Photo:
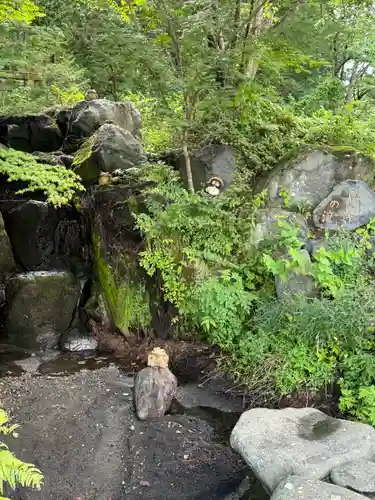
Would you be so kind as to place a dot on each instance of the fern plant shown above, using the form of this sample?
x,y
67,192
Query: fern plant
x,y
12,470
57,183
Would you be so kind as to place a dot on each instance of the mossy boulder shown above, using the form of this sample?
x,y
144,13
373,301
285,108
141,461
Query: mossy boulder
x,y
110,148
40,308
121,289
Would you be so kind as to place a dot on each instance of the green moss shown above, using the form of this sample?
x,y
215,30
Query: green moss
x,y
84,152
126,298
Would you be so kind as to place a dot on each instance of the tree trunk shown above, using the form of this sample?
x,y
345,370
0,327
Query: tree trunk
x,y
186,154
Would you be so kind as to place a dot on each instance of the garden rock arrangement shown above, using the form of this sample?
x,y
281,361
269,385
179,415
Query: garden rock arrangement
x,y
293,450
311,177
317,191
99,136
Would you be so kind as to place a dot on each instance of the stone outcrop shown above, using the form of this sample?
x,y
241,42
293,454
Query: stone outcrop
x,y
120,295
30,133
86,117
349,206
304,442
41,307
40,233
310,178
209,163
110,148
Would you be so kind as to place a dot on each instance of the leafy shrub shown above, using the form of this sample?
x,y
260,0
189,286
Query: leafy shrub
x,y
57,183
200,246
12,470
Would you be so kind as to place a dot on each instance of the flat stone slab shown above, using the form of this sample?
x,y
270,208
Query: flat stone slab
x,y
357,475
277,444
299,488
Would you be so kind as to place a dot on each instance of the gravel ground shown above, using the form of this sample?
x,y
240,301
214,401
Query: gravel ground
x,y
81,431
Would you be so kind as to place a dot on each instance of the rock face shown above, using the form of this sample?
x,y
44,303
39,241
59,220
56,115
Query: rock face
x,y
277,444
40,308
36,231
120,285
356,475
299,488
31,227
78,339
214,161
268,224
87,116
7,264
110,148
30,133
312,176
349,206
298,283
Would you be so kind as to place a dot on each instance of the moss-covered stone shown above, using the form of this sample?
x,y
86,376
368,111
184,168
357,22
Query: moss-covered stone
x,y
110,148
40,307
123,288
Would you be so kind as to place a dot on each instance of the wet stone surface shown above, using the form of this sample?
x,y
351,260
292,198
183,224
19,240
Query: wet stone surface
x,y
79,426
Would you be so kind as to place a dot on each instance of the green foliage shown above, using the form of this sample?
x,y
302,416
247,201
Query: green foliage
x,y
126,298
36,69
13,471
200,247
19,10
308,342
58,184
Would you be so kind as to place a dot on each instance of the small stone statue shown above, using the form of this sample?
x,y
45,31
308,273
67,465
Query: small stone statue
x,y
214,186
105,178
91,95
154,386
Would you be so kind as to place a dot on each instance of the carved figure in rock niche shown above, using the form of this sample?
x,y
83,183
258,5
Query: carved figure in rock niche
x,y
214,186
154,386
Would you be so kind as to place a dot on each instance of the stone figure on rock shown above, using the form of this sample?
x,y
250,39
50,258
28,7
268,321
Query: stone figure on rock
x,y
154,386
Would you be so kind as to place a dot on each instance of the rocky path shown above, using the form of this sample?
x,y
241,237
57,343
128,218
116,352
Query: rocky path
x,y
82,432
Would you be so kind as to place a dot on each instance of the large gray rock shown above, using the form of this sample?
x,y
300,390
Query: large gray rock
x,y
357,475
312,176
7,264
277,444
298,283
87,116
349,206
268,225
40,308
214,161
110,148
299,488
